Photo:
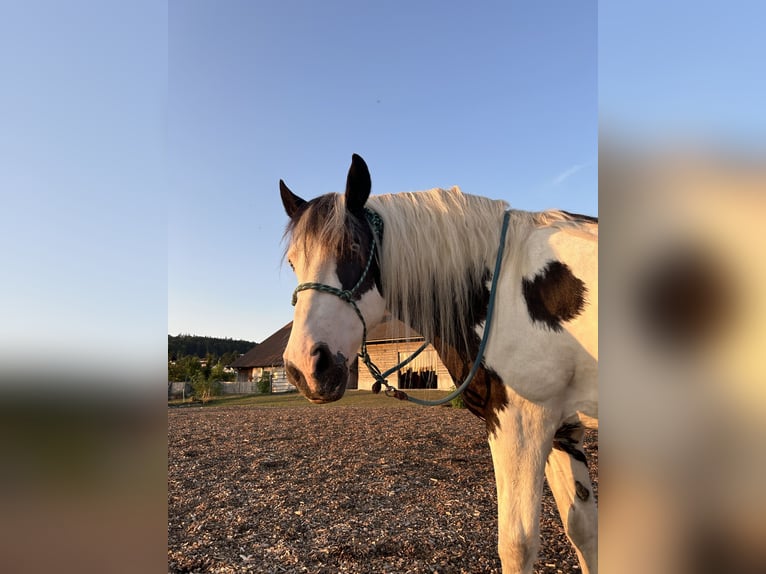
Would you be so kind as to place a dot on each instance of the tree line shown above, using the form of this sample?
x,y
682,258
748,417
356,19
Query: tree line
x,y
204,347
202,361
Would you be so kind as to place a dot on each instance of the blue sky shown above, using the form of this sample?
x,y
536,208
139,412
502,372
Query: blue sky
x,y
499,98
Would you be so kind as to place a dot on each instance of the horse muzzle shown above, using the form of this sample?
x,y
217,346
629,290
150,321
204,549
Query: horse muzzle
x,y
327,375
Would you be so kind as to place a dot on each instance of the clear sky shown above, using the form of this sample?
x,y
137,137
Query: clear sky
x,y
499,98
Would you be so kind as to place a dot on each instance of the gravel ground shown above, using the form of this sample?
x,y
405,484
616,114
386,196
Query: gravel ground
x,y
341,489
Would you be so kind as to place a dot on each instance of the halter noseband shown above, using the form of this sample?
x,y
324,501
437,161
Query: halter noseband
x,y
347,295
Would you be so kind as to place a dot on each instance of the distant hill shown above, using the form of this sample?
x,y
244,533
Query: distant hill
x,y
195,345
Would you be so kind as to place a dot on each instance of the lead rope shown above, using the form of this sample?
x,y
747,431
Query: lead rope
x,y
380,378
485,337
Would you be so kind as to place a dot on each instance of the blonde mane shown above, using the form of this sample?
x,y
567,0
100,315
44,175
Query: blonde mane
x,y
438,249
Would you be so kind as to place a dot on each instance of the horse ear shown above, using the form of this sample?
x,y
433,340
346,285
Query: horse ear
x,y
291,201
358,184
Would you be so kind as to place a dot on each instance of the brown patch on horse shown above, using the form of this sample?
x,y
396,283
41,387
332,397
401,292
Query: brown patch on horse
x,y
485,396
582,491
554,295
567,439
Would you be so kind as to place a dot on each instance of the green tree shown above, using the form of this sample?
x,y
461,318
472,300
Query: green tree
x,y
218,372
184,369
175,373
205,388
264,383
181,345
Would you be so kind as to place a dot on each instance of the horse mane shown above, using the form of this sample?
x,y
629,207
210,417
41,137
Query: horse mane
x,y
439,247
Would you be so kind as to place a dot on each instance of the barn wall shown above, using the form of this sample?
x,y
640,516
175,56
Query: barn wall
x,y
245,374
279,383
386,355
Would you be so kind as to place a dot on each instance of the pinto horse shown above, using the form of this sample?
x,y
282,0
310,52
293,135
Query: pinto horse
x,y
429,258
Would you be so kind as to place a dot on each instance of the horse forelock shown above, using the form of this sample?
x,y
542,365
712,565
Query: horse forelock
x,y
323,228
438,250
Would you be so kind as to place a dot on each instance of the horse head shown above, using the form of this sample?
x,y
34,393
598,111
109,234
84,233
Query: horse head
x,y
332,250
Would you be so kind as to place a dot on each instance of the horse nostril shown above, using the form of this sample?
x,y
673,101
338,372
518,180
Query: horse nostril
x,y
294,374
323,361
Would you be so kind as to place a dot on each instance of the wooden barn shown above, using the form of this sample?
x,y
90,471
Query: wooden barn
x,y
264,358
391,342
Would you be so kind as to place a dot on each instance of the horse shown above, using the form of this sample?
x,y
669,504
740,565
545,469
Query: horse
x,y
428,258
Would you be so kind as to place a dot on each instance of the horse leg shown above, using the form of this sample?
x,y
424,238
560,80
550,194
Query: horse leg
x,y
520,443
568,478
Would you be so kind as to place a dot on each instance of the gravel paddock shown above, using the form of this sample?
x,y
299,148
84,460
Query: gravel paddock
x,y
339,489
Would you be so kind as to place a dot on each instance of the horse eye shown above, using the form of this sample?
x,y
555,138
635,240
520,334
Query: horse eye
x,y
355,248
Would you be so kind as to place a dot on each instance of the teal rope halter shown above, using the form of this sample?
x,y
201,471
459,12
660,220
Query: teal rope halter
x,y
376,223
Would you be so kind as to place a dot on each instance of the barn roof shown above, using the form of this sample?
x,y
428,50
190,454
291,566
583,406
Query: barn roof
x,y
392,329
268,353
